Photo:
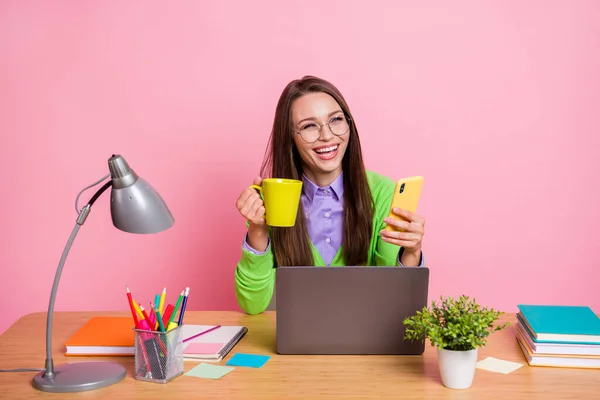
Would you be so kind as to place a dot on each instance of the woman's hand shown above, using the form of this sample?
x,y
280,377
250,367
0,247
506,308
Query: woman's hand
x,y
251,207
412,236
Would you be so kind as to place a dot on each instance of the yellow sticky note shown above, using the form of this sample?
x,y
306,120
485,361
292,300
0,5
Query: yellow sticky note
x,y
497,365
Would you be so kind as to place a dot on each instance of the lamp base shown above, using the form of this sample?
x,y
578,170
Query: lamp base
x,y
80,376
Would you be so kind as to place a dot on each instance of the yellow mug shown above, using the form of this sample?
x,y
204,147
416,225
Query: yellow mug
x,y
281,198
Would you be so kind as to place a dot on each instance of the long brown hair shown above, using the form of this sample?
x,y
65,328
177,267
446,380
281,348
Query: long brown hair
x,y
291,246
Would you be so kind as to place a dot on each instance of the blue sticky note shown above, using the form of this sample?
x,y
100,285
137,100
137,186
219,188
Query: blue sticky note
x,y
248,360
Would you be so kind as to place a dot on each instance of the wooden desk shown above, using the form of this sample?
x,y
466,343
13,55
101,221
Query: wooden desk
x,y
292,377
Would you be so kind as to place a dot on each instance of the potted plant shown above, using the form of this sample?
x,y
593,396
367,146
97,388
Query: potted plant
x,y
457,327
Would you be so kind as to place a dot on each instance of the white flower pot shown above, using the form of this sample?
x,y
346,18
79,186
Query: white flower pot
x,y
457,367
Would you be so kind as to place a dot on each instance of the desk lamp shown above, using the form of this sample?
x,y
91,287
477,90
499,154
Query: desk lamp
x,y
136,208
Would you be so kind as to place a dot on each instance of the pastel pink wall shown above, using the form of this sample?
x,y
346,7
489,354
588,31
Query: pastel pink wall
x,y
495,104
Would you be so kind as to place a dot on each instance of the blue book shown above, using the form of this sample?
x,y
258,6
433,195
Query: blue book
x,y
555,323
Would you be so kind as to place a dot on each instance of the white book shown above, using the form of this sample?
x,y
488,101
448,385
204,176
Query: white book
x,y
557,360
212,346
557,348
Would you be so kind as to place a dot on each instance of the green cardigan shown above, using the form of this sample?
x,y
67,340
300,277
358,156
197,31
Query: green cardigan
x,y
255,274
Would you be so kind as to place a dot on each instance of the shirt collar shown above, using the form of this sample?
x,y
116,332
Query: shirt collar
x,y
337,187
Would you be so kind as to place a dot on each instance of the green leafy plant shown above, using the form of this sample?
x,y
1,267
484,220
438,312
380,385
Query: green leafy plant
x,y
453,324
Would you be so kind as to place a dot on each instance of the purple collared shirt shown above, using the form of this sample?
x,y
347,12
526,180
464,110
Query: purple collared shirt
x,y
323,208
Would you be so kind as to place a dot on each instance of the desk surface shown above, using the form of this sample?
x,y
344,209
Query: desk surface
x,y
292,377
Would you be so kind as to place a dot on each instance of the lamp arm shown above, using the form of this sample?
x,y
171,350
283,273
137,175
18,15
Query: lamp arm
x,y
80,220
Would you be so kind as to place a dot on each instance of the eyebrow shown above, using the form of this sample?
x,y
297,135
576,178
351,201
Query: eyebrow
x,y
331,114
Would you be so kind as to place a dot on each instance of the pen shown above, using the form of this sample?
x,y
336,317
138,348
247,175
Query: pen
x,y
161,303
133,312
183,304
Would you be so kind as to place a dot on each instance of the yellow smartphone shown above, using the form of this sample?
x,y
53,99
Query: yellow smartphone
x,y
406,196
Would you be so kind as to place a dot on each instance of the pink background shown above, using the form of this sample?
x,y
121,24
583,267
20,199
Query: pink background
x,y
496,104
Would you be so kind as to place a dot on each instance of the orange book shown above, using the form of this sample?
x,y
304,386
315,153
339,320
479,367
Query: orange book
x,y
107,336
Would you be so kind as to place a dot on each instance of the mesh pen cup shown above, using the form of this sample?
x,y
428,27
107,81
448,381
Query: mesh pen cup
x,y
158,355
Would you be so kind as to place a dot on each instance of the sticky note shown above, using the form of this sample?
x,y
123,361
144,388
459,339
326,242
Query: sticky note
x,y
209,371
203,348
248,360
497,365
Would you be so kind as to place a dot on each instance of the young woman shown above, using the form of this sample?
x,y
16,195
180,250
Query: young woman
x,y
343,207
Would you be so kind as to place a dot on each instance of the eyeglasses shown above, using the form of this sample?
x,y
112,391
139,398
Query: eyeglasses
x,y
311,132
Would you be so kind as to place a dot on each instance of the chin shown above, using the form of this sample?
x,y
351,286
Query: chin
x,y
327,167
330,168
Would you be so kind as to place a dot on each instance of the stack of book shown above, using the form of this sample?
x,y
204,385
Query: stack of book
x,y
559,336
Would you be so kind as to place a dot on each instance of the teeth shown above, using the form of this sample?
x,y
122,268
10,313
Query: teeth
x,y
327,149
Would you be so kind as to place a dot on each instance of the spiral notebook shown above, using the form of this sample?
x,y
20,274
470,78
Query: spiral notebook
x,y
212,346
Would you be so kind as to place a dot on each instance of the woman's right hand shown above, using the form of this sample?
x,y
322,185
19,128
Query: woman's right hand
x,y
251,207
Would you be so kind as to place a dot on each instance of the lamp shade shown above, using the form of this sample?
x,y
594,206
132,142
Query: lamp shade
x,y
134,204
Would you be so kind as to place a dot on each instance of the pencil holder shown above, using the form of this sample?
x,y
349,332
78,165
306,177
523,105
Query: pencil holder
x,y
158,355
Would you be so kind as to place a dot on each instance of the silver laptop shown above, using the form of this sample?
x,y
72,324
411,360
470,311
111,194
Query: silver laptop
x,y
348,310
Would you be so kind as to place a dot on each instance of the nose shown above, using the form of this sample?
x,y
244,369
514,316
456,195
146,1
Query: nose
x,y
326,134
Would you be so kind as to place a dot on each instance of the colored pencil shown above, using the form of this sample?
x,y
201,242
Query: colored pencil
x,y
167,315
201,333
161,304
150,324
183,304
152,317
157,299
176,308
133,313
137,309
161,327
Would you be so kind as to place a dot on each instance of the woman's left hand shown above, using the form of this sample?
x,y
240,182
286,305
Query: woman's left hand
x,y
414,229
